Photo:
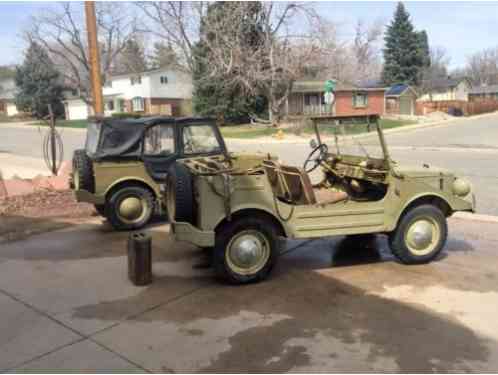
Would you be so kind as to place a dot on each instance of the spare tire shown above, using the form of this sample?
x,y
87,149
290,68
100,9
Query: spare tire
x,y
83,171
180,197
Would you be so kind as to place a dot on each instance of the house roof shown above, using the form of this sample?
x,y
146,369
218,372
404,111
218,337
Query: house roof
x,y
445,83
319,86
398,89
490,89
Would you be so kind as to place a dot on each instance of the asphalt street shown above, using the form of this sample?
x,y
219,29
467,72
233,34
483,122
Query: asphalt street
x,y
468,147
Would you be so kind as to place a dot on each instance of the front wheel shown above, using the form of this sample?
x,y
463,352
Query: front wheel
x,y
420,236
246,250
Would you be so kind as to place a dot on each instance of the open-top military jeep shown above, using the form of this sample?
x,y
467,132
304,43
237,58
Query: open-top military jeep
x,y
241,206
125,163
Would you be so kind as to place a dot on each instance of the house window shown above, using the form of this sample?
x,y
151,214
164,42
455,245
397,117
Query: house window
x,y
360,100
110,105
164,80
136,80
138,104
121,105
306,99
108,83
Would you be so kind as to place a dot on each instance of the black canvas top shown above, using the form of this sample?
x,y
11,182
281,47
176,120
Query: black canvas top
x,y
123,137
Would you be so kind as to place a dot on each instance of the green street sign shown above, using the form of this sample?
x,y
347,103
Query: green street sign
x,y
329,85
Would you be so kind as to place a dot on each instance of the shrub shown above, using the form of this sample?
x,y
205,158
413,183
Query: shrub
x,y
124,115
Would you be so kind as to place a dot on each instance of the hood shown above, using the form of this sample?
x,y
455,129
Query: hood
x,y
421,171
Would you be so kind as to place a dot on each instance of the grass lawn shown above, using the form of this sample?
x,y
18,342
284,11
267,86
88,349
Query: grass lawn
x,y
67,123
7,119
252,131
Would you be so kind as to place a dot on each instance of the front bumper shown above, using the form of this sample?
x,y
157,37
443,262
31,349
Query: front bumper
x,y
187,232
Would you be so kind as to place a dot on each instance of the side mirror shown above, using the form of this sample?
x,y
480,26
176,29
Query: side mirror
x,y
313,144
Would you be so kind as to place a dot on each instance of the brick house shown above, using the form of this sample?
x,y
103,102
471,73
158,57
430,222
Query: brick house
x,y
155,92
308,98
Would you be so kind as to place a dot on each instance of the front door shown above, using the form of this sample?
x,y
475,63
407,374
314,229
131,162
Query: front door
x,y
159,150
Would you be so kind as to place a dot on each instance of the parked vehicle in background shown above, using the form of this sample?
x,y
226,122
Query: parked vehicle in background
x,y
241,207
124,164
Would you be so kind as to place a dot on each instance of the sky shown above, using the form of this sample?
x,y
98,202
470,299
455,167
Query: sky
x,y
461,27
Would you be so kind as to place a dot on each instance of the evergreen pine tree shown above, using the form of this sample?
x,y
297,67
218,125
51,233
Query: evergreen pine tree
x,y
212,97
425,55
403,58
38,83
131,59
163,56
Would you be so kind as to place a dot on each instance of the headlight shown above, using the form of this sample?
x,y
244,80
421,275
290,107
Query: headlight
x,y
461,187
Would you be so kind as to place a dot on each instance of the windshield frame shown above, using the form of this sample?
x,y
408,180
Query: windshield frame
x,y
92,138
370,120
216,132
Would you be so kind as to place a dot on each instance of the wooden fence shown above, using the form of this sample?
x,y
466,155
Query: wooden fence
x,y
466,108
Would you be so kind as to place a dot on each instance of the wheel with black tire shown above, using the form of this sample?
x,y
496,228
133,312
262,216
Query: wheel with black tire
x,y
83,171
130,207
246,250
100,208
180,197
420,236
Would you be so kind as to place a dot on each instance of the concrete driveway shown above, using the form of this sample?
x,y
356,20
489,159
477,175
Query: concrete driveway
x,y
331,305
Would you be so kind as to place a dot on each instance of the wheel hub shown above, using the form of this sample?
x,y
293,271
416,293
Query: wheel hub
x,y
131,208
247,253
421,235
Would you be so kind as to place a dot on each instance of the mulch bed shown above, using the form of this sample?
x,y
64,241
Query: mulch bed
x,y
44,210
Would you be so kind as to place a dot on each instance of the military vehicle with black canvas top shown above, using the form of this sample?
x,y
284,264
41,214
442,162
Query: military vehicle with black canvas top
x,y
125,163
240,207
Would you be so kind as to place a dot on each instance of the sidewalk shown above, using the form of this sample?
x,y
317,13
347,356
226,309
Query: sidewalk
x,y
21,166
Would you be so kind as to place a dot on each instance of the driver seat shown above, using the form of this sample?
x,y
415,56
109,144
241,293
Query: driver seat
x,y
293,185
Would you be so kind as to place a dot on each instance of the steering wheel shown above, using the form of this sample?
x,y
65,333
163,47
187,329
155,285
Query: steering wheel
x,y
322,151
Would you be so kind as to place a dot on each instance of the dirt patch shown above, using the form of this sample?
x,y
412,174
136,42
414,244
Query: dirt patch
x,y
44,210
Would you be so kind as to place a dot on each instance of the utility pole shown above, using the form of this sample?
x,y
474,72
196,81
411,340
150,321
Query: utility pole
x,y
93,47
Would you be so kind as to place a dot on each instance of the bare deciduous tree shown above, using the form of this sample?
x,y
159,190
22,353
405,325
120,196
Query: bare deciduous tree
x,y
366,50
482,67
62,32
176,23
270,67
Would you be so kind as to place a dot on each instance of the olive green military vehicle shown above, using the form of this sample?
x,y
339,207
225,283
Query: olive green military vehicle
x,y
242,206
123,167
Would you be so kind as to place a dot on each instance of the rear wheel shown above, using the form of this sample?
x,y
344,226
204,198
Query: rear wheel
x,y
130,207
420,236
83,171
246,250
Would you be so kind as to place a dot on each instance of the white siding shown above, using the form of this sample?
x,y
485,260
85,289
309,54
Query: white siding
x,y
76,109
460,92
122,86
179,85
11,109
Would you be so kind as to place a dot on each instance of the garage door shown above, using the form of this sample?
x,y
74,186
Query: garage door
x,y
405,105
